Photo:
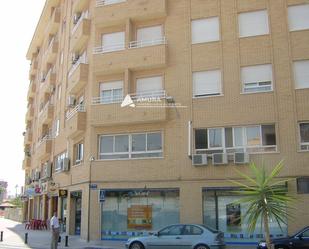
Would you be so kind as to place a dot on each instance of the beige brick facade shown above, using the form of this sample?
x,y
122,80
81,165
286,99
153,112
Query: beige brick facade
x,y
56,39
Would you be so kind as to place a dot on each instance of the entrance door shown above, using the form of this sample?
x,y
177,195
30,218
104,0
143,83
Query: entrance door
x,y
78,215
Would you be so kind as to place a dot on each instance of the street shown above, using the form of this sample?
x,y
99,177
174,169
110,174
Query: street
x,y
14,234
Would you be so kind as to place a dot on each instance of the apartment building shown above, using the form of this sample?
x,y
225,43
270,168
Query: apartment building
x,y
139,112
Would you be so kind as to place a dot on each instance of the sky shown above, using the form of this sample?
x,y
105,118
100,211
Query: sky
x,y
18,21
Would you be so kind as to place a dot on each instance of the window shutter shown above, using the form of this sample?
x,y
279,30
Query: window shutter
x,y
205,30
149,33
259,73
207,83
113,41
149,84
253,23
301,74
298,17
111,85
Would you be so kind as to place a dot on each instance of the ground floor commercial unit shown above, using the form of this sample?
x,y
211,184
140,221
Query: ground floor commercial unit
x,y
116,211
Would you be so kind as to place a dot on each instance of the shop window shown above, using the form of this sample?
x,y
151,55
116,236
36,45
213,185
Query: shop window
x,y
303,185
298,17
257,78
207,83
301,74
205,30
253,23
111,92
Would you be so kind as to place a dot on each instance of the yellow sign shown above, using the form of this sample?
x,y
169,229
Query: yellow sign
x,y
140,217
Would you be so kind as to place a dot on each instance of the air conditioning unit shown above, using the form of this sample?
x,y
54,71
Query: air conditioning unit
x,y
76,17
219,158
71,101
199,159
241,158
75,57
66,164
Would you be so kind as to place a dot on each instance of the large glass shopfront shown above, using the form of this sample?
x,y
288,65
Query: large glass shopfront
x,y
127,213
221,212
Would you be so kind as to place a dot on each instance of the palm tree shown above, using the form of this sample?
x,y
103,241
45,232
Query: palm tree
x,y
267,198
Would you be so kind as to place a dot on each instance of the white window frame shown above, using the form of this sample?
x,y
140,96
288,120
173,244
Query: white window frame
x,y
199,41
59,161
245,148
305,144
112,101
130,152
291,29
79,150
256,85
297,85
253,34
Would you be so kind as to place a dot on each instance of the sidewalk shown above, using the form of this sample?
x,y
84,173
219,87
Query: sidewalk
x,y
14,232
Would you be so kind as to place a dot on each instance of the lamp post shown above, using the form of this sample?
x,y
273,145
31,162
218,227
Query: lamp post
x,y
91,159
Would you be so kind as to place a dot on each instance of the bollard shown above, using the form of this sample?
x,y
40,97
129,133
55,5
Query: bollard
x,y
66,241
1,236
26,238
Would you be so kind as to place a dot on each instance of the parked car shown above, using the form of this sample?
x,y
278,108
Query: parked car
x,y
184,236
299,240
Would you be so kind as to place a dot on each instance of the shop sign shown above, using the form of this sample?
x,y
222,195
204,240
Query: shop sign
x,y
37,190
53,188
63,193
30,192
102,195
140,217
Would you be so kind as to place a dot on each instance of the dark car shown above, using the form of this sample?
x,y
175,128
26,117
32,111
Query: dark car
x,y
299,240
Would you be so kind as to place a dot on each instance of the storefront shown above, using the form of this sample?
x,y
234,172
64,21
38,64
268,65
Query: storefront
x,y
63,209
221,212
77,211
126,213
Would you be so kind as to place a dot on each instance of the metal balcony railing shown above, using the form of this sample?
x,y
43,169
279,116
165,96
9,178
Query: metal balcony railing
x,y
81,60
146,43
76,109
107,100
109,48
100,3
84,15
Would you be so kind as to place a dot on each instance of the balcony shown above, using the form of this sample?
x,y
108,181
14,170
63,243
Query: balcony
x,y
46,114
44,147
28,138
33,69
52,50
26,162
114,12
79,5
76,121
31,90
80,32
48,83
54,22
142,110
137,57
30,114
78,76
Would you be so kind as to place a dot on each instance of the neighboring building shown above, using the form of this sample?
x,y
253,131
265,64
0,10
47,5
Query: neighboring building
x,y
3,193
234,74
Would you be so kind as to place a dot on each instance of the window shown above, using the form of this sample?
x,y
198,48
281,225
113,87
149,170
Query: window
x,y
304,136
149,87
301,74
148,36
113,42
60,161
172,230
140,145
257,138
257,78
298,17
57,127
207,83
79,153
111,92
303,185
253,23
192,230
205,30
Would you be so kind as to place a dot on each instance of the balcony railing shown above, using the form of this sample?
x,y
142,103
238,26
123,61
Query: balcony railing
x,y
107,100
45,107
81,60
146,43
46,137
100,3
84,15
109,48
157,94
76,109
